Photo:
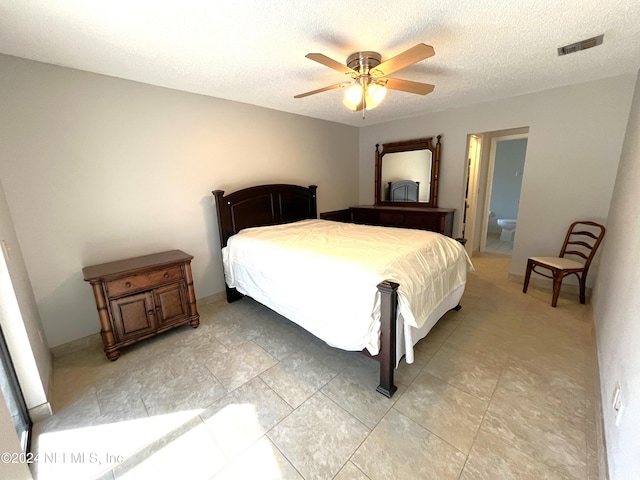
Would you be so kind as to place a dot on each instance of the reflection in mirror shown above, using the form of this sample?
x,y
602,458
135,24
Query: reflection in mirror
x,y
406,176
407,173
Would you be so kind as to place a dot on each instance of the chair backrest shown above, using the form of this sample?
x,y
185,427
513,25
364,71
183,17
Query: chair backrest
x,y
583,239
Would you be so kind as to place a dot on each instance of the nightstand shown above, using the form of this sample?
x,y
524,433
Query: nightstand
x,y
140,297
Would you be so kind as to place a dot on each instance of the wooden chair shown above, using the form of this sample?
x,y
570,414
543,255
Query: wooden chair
x,y
582,240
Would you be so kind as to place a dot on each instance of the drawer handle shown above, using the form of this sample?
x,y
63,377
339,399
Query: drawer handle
x,y
166,274
128,284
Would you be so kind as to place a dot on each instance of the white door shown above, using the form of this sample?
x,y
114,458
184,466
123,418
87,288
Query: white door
x,y
471,192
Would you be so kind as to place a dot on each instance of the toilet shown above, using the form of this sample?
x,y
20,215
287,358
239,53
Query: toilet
x,y
508,226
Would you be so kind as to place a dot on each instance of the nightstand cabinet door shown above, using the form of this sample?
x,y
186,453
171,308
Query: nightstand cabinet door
x,y
133,316
171,303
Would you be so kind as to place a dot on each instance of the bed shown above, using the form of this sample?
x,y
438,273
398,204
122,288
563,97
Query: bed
x,y
316,273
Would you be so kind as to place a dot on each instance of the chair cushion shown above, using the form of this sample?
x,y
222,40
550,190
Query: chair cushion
x,y
558,262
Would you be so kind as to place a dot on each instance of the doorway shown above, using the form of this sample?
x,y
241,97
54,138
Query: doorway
x,y
506,165
494,178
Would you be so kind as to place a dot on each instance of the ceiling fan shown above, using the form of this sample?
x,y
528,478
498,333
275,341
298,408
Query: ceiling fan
x,y
368,77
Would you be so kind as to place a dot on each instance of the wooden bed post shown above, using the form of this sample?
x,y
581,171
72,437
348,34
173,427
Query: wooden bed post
x,y
387,356
223,225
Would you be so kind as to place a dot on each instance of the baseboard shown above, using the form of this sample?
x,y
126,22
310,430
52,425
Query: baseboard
x,y
90,341
95,340
601,442
542,283
216,297
41,412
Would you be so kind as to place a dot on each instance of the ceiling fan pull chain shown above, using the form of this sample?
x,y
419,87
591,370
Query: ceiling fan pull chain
x,y
364,100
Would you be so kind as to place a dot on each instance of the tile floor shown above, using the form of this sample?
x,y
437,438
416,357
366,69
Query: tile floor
x,y
502,389
495,245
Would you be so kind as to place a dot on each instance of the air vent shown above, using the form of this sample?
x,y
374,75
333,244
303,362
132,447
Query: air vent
x,y
583,45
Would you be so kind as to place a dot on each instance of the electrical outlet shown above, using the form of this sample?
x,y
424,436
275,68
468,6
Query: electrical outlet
x,y
618,407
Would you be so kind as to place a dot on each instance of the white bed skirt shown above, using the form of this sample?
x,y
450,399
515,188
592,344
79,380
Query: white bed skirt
x,y
407,336
294,269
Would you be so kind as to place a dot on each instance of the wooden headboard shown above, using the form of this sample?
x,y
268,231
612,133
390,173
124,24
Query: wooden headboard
x,y
404,191
263,205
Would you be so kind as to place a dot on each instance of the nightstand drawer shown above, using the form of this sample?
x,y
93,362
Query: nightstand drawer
x,y
143,281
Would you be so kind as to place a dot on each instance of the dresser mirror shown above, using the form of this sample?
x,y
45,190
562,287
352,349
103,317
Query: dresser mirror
x,y
407,173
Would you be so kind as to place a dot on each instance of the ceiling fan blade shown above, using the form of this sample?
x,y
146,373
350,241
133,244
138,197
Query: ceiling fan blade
x,y
331,63
403,60
313,92
409,86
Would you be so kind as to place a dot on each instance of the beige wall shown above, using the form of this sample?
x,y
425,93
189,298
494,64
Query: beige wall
x,y
96,169
617,305
575,139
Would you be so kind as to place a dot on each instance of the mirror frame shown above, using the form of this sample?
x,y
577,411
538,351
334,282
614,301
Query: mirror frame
x,y
408,146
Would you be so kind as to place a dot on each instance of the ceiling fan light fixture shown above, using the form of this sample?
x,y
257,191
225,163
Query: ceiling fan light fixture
x,y
351,106
369,78
375,95
353,95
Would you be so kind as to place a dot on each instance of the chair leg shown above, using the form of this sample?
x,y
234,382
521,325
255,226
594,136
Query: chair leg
x,y
583,288
527,276
557,281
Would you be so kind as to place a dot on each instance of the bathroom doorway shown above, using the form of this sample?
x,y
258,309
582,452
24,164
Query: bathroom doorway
x,y
481,170
504,182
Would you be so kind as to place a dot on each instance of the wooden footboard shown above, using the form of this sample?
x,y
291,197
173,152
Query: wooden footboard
x,y
388,313
280,203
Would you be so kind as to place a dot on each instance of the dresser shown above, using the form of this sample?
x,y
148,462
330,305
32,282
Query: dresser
x,y
422,218
140,297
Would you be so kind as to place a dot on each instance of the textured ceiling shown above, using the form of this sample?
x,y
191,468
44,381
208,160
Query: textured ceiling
x,y
252,51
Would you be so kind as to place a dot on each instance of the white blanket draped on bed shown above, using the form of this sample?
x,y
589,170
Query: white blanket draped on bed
x,y
323,275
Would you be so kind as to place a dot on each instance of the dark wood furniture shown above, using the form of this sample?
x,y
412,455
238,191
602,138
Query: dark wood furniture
x,y
277,204
422,218
582,240
391,161
419,157
403,191
140,297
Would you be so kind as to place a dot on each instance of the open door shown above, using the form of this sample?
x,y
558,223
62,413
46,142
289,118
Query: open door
x,y
474,151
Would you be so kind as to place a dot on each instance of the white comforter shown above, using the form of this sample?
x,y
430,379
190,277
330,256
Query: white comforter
x,y
323,275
